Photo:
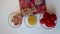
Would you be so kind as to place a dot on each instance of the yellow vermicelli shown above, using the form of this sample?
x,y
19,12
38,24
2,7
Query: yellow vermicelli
x,y
32,20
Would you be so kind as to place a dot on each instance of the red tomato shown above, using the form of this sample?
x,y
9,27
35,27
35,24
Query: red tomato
x,y
46,15
53,17
52,24
48,20
47,24
42,21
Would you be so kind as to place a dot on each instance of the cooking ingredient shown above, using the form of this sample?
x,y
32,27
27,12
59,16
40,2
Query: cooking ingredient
x,y
32,20
51,24
28,7
49,20
17,19
46,15
42,21
53,17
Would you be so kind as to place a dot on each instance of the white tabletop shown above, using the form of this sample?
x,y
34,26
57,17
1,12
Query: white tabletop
x,y
9,6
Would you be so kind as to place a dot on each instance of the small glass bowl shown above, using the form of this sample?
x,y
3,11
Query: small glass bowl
x,y
44,26
26,21
10,20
